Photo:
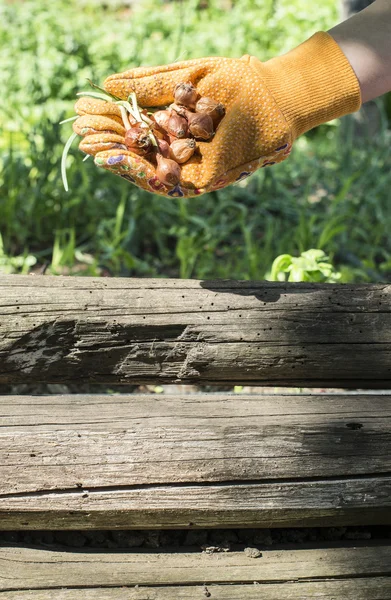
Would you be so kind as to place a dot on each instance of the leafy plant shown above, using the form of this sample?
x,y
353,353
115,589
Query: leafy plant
x,y
15,264
332,194
312,265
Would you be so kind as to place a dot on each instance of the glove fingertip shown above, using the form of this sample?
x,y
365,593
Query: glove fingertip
x,y
120,85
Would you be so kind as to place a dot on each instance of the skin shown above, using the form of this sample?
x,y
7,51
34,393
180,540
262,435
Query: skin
x,y
365,39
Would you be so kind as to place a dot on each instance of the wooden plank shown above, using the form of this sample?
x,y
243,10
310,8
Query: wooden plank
x,y
26,568
350,501
104,440
374,588
146,461
141,330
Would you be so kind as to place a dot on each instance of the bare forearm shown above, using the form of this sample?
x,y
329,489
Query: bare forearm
x,y
365,39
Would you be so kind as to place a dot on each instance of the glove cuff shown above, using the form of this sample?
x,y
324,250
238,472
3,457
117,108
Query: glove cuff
x,y
312,84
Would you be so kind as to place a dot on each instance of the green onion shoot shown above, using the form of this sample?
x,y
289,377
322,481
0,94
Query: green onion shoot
x,y
64,160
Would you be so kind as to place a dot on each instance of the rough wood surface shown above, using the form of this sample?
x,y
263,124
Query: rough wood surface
x,y
60,329
367,588
35,569
146,461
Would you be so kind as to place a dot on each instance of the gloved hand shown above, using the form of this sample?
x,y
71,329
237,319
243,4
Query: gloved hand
x,y
268,105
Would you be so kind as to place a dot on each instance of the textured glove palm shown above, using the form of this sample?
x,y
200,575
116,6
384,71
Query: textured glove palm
x,y
267,106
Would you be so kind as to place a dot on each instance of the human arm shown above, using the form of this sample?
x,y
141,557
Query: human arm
x,y
365,39
268,104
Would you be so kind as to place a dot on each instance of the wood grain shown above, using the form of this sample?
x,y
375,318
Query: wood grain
x,y
59,329
35,569
371,588
147,461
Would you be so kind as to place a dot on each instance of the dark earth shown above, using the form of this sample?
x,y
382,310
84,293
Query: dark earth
x,y
205,540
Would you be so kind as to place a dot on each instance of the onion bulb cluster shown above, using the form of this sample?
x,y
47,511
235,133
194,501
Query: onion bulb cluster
x,y
168,137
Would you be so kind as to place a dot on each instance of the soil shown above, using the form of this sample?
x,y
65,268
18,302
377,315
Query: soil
x,y
203,540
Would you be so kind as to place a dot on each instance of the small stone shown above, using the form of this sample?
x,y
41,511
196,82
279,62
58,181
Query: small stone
x,y
263,537
121,538
152,539
213,549
73,539
58,388
357,535
223,538
296,536
196,538
9,536
333,533
135,540
47,537
128,539
278,536
171,538
252,552
96,538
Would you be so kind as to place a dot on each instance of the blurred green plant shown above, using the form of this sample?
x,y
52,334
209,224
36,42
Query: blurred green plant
x,y
312,265
332,194
15,264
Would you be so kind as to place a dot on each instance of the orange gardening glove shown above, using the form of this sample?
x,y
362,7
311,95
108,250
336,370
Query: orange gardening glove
x,y
268,105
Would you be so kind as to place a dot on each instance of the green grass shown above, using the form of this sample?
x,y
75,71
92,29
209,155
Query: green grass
x,y
331,194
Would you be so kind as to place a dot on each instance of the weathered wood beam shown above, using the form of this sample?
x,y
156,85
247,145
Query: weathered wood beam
x,y
58,329
157,461
331,572
363,588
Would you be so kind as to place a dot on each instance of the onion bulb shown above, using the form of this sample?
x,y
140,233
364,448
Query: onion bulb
x,y
168,171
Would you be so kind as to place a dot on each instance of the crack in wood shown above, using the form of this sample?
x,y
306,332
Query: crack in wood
x,y
291,481
201,582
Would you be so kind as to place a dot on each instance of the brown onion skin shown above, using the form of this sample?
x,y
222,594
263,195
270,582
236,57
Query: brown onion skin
x,y
182,150
168,171
172,138
138,141
177,125
200,125
212,108
181,110
161,117
132,120
185,94
158,132
164,148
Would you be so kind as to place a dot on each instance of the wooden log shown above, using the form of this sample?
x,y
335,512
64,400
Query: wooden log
x,y
299,573
59,329
147,461
373,588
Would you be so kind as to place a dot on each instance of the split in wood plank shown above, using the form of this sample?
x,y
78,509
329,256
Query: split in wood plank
x,y
374,588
